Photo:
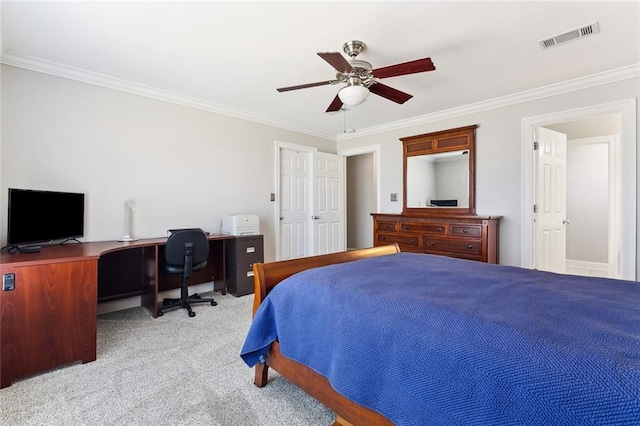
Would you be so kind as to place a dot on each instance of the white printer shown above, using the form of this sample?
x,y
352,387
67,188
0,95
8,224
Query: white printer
x,y
241,224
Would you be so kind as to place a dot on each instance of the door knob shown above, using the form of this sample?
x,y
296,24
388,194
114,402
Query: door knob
x,y
315,217
566,222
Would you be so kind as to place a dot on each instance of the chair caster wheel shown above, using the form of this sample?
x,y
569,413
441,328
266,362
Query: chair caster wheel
x,y
192,314
213,303
196,296
160,313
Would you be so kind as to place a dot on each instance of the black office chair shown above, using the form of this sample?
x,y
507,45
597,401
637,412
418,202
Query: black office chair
x,y
186,252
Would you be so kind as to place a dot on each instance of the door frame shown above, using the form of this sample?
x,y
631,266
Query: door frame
x,y
626,109
309,150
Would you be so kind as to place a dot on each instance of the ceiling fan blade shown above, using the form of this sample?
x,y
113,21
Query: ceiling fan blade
x,y
411,67
335,105
336,60
390,93
305,86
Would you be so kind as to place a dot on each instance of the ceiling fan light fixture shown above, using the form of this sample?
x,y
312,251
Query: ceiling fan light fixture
x,y
353,95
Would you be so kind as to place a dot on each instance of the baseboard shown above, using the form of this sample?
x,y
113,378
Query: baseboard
x,y
583,264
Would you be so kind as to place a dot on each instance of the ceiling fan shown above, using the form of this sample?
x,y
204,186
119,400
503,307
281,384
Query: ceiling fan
x,y
361,78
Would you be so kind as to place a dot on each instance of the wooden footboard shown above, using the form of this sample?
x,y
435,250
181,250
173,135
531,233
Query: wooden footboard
x,y
267,276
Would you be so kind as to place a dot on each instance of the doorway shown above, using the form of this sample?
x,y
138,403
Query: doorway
x,y
363,194
619,242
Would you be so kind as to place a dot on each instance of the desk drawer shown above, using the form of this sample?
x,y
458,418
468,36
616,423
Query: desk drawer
x,y
433,245
249,250
243,283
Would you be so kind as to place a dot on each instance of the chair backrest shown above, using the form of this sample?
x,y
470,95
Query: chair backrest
x,y
183,243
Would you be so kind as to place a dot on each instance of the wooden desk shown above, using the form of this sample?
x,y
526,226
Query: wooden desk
x,y
50,317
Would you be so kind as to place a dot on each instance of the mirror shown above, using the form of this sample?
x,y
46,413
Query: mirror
x,y
438,180
439,172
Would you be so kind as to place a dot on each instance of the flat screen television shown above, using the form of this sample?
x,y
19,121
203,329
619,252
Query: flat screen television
x,y
44,216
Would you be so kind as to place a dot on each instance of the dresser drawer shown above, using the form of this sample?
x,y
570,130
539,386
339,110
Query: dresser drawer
x,y
467,230
403,240
424,228
434,245
386,226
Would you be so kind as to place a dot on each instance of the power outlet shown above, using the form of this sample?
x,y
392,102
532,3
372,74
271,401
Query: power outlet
x,y
9,282
394,196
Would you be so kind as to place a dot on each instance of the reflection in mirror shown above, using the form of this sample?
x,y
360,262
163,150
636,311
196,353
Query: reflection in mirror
x,y
438,180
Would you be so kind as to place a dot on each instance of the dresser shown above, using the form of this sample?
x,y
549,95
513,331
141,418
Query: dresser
x,y
463,236
242,253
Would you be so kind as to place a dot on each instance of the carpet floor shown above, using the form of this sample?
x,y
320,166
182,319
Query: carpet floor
x,y
173,370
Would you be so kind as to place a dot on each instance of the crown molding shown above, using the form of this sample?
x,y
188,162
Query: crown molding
x,y
623,73
52,68
58,70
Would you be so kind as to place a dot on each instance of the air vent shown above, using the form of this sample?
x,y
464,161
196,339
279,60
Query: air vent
x,y
578,33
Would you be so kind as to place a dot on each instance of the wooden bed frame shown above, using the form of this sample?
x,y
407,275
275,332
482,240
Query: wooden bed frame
x,y
267,276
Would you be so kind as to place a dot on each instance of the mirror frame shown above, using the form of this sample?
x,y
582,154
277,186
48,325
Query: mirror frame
x,y
457,139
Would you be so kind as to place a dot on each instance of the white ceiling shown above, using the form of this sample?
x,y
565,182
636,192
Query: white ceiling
x,y
231,56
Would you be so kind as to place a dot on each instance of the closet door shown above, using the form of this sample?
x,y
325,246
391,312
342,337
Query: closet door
x,y
310,203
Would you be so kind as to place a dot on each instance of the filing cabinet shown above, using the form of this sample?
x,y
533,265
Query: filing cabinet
x,y
242,253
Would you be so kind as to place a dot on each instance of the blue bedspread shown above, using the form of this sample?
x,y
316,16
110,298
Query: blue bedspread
x,y
429,340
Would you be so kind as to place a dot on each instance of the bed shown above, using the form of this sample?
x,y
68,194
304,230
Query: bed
x,y
383,337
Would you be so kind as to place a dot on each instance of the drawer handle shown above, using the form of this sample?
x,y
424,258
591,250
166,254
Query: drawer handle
x,y
464,231
386,227
383,238
249,274
433,243
251,249
406,227
412,241
439,229
469,246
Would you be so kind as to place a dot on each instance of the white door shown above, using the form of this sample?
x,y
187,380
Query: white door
x,y
294,204
329,215
310,202
550,219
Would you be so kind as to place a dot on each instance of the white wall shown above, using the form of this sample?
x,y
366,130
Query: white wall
x,y
498,154
588,202
63,135
588,128
361,200
452,177
181,166
421,172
